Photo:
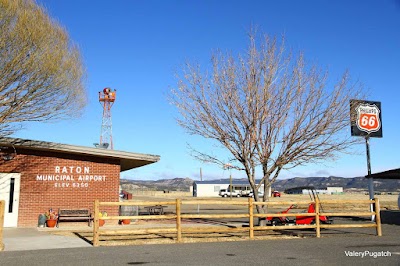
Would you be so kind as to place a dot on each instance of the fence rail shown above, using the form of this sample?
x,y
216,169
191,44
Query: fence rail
x,y
2,207
250,215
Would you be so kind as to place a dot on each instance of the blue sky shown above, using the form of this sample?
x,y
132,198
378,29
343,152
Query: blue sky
x,y
136,47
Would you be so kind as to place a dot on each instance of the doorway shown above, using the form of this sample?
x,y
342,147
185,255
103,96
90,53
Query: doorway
x,y
9,192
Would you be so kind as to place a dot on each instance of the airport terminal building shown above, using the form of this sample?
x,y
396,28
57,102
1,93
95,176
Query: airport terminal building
x,y
37,175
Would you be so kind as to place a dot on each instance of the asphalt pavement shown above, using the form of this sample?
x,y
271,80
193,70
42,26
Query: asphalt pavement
x,y
29,246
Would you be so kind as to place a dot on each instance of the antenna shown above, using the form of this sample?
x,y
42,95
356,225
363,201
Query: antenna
x,y
106,99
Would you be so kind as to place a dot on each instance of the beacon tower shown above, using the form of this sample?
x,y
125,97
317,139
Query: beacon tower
x,y
106,99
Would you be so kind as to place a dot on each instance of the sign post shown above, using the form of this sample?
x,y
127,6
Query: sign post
x,y
366,121
370,180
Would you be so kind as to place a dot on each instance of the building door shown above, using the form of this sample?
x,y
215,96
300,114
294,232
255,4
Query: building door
x,y
9,192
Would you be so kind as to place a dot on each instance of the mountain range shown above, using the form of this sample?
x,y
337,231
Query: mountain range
x,y
348,184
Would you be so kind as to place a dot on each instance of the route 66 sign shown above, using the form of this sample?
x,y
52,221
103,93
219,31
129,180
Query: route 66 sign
x,y
366,118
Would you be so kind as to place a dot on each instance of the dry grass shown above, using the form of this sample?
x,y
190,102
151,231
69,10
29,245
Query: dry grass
x,y
386,202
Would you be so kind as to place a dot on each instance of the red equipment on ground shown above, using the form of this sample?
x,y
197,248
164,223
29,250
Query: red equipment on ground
x,y
306,220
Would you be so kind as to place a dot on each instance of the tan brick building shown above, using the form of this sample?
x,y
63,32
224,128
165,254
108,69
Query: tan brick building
x,y
38,175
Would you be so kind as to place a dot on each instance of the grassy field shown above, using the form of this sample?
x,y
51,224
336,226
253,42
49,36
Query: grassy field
x,y
387,202
225,206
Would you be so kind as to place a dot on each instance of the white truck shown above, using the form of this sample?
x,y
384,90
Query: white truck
x,y
226,193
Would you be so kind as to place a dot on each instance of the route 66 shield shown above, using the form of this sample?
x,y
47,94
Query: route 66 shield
x,y
365,118
368,118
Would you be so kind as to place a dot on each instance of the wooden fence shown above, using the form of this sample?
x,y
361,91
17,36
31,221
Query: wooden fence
x,y
2,207
250,215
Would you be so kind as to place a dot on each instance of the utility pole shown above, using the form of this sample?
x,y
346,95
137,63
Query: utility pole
x,y
201,179
229,166
230,182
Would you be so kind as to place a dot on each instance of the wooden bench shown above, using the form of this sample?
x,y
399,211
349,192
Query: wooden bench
x,y
74,215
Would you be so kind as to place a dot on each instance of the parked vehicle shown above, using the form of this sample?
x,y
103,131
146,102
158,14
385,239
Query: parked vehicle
x,y
245,193
226,193
260,194
276,194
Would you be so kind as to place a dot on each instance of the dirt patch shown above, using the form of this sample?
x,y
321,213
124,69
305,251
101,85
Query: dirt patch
x,y
118,240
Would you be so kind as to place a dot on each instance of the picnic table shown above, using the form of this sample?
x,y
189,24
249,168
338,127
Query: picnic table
x,y
156,209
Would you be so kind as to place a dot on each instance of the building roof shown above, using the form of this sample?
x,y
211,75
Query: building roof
x,y
390,174
224,181
128,160
293,189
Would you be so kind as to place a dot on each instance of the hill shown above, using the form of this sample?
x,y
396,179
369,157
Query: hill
x,y
177,184
349,184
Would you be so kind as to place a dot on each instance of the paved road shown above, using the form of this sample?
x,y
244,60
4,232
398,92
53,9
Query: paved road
x,y
329,250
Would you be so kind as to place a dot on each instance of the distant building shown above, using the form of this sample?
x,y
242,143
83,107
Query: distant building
x,y
306,189
334,190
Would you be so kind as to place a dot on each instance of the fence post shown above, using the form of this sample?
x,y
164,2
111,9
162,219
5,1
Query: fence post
x,y
378,218
317,221
251,219
96,224
2,206
178,221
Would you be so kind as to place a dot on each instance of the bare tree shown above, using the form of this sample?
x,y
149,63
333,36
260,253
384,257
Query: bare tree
x,y
41,70
268,108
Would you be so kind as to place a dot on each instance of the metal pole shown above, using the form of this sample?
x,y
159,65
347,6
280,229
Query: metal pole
x,y
370,180
228,166
230,182
368,155
201,179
